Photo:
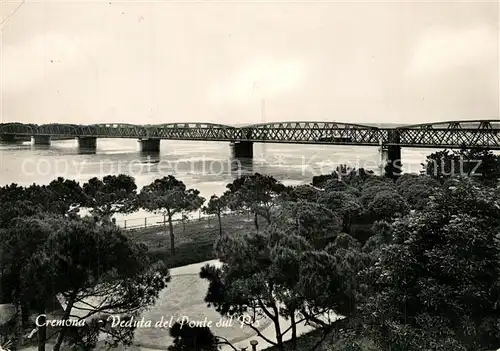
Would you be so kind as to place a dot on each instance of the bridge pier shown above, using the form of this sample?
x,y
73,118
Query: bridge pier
x,y
242,149
40,139
8,138
149,145
390,161
390,155
87,143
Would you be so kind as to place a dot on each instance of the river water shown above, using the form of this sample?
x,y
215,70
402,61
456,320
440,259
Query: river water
x,y
206,166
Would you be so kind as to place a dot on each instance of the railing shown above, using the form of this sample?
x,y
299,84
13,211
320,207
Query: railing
x,y
162,220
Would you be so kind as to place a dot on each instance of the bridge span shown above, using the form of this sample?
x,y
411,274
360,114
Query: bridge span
x,y
483,134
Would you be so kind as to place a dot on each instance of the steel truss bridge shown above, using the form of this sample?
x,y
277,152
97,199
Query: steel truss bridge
x,y
454,134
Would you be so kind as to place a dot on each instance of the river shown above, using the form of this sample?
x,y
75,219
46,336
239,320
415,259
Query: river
x,y
206,166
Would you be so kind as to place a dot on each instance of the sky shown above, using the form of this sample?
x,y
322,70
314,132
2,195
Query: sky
x,y
149,62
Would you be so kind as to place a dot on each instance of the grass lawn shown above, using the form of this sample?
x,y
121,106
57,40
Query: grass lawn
x,y
193,242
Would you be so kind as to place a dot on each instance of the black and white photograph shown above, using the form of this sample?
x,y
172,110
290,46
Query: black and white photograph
x,y
254,175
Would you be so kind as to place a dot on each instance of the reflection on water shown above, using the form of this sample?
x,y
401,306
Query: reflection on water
x,y
39,147
241,166
149,154
82,151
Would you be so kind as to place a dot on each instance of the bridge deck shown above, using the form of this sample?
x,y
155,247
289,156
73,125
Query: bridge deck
x,y
454,134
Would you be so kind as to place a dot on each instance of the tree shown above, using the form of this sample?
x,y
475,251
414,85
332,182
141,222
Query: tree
x,y
276,274
61,196
488,170
356,177
417,189
343,173
335,185
408,179
314,221
17,246
257,193
382,235
301,192
92,266
216,206
113,194
15,202
436,286
376,180
192,338
441,165
345,204
481,164
372,188
321,180
169,197
386,205
66,196
417,196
